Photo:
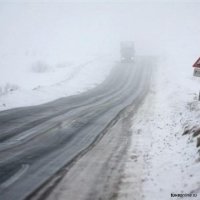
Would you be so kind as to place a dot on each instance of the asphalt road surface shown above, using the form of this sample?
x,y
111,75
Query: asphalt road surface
x,y
36,142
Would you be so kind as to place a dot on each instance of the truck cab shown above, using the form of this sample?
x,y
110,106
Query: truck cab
x,y
127,51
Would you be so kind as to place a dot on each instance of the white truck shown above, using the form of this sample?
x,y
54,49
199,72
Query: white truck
x,y
127,51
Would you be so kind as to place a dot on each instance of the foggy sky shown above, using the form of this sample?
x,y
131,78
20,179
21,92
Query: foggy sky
x,y
66,29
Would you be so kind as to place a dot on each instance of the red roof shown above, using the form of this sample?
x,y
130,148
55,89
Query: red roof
x,y
197,63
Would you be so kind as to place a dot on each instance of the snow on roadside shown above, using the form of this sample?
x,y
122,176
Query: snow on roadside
x,y
161,160
59,81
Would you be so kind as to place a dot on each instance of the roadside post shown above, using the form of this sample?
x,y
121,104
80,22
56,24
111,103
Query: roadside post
x,y
196,72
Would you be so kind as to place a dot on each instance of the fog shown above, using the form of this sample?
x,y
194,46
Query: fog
x,y
61,31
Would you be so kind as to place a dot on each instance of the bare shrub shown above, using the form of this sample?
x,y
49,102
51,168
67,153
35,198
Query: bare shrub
x,y
8,87
39,67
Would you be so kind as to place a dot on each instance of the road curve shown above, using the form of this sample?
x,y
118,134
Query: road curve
x,y
37,141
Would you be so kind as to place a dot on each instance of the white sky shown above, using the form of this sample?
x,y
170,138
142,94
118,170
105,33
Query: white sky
x,y
95,1
70,29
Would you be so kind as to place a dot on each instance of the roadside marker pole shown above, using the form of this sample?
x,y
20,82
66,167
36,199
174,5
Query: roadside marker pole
x,y
199,95
196,73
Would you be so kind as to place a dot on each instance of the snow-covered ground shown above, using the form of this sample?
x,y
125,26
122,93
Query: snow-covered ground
x,y
43,83
161,160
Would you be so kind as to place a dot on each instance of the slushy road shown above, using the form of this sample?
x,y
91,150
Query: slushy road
x,y
37,141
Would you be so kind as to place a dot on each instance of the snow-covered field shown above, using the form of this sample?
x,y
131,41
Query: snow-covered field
x,y
161,160
50,50
41,83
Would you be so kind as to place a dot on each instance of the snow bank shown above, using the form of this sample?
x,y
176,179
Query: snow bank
x,y
161,160
58,81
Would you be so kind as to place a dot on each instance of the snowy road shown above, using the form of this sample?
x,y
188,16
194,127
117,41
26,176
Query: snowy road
x,y
36,142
